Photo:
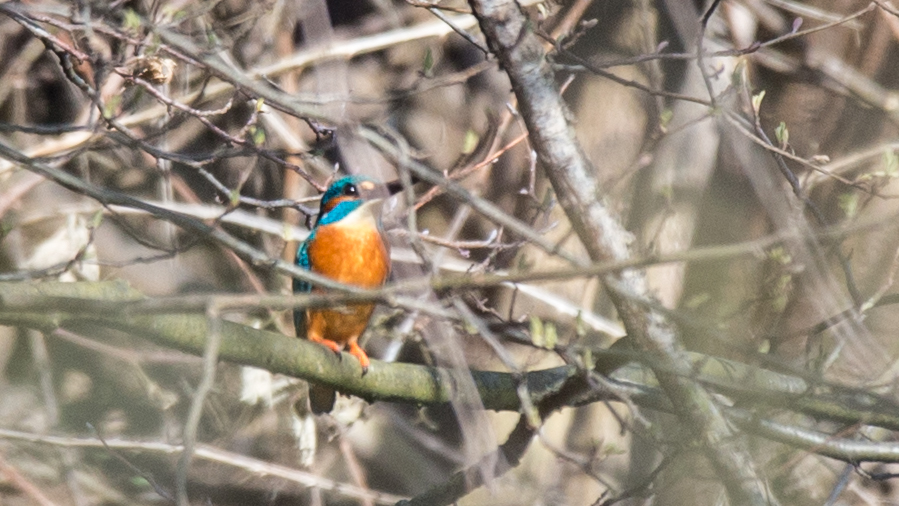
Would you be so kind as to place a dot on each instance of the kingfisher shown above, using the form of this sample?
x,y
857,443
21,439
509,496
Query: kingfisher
x,y
347,245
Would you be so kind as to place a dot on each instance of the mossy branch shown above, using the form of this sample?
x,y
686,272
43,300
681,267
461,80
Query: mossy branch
x,y
82,306
86,305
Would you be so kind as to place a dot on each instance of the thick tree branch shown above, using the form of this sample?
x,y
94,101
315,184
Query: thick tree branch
x,y
88,305
67,305
511,37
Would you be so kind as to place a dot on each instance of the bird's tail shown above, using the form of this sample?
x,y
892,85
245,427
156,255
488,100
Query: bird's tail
x,y
321,399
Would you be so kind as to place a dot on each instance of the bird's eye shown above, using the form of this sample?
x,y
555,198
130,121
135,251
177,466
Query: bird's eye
x,y
350,190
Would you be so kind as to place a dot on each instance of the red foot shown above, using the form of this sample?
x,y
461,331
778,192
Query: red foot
x,y
359,353
327,343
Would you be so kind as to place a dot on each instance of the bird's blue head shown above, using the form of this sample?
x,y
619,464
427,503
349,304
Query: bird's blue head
x,y
345,196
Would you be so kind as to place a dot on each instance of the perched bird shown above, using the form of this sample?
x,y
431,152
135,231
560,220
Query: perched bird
x,y
347,245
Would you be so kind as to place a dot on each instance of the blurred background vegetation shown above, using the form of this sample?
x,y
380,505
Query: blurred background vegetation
x,y
781,140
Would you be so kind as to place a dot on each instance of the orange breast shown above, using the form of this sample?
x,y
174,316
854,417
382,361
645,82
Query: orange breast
x,y
351,254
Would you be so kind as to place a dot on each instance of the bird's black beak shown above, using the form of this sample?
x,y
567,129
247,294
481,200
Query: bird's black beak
x,y
394,187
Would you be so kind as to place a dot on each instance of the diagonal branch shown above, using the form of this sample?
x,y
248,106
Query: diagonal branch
x,y
521,54
108,197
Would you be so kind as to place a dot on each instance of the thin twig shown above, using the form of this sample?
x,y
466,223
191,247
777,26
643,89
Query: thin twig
x,y
208,453
210,360
458,29
19,481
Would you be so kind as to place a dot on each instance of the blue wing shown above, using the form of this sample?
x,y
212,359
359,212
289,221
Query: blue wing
x,y
302,261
